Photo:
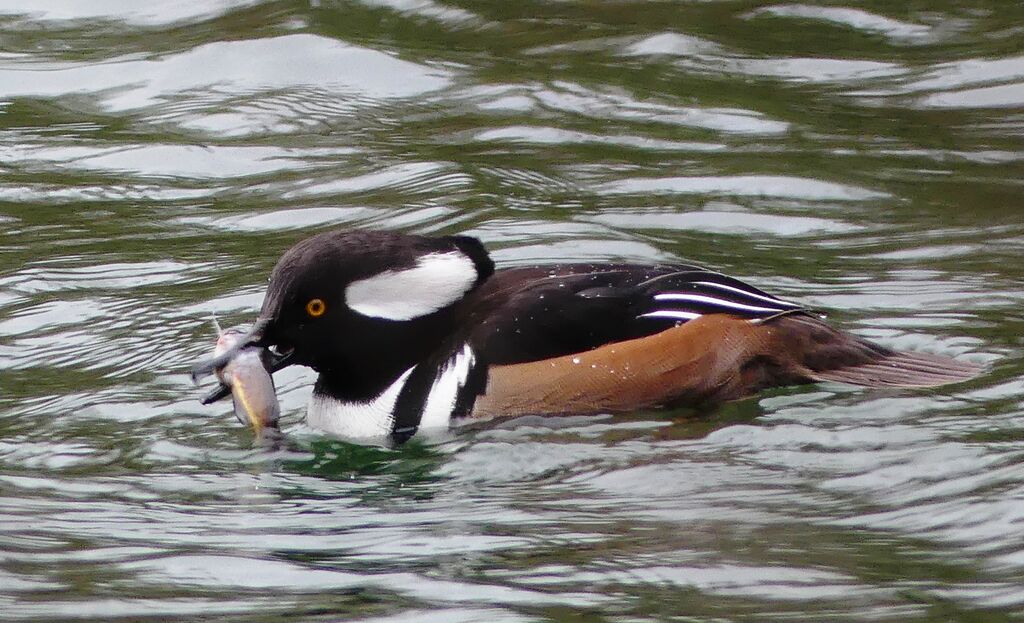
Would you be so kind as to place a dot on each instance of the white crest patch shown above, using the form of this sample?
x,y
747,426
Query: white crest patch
x,y
356,419
435,282
445,391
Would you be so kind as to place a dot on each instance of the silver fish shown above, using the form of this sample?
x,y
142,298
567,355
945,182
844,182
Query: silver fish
x,y
247,375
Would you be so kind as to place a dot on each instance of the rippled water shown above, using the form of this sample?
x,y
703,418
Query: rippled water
x,y
865,158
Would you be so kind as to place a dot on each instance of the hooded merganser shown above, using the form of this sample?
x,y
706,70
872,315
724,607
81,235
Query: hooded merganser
x,y
408,332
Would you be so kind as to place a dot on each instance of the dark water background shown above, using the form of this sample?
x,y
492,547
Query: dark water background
x,y
863,157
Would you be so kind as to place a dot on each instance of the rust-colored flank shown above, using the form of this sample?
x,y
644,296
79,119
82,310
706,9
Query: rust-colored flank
x,y
710,359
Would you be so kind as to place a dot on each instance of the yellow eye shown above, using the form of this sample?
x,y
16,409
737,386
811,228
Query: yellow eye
x,y
316,307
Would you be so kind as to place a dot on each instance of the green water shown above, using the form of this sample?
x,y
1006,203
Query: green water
x,y
865,158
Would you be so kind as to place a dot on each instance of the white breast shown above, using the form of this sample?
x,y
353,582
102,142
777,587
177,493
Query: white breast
x,y
356,419
375,418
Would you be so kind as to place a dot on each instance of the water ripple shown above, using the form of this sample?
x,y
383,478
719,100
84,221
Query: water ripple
x,y
745,185
219,72
158,158
894,30
572,98
120,11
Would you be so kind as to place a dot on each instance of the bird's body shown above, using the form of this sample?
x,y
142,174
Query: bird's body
x,y
411,332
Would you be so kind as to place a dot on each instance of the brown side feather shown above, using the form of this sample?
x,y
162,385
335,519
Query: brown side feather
x,y
710,359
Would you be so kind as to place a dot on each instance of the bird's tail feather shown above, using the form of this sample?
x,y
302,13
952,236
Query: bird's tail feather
x,y
903,369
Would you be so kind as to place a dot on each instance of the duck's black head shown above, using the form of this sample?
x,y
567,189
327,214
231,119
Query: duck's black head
x,y
361,307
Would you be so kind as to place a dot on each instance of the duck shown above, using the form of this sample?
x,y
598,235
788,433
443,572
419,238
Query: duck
x,y
411,332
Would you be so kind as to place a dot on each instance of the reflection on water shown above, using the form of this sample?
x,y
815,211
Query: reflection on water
x,y
862,158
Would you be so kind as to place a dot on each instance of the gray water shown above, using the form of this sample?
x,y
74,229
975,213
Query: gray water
x,y
864,157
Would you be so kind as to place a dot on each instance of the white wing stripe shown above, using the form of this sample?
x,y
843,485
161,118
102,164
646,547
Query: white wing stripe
x,y
678,315
710,300
722,286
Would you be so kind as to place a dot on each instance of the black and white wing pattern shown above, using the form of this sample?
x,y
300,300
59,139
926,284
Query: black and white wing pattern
x,y
534,313
687,294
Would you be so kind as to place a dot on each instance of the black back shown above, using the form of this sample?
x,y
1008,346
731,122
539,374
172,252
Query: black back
x,y
533,313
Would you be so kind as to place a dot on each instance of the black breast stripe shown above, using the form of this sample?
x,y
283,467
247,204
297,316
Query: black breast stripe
x,y
474,385
408,410
415,394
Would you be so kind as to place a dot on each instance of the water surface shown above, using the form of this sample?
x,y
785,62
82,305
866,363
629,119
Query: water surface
x,y
861,157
